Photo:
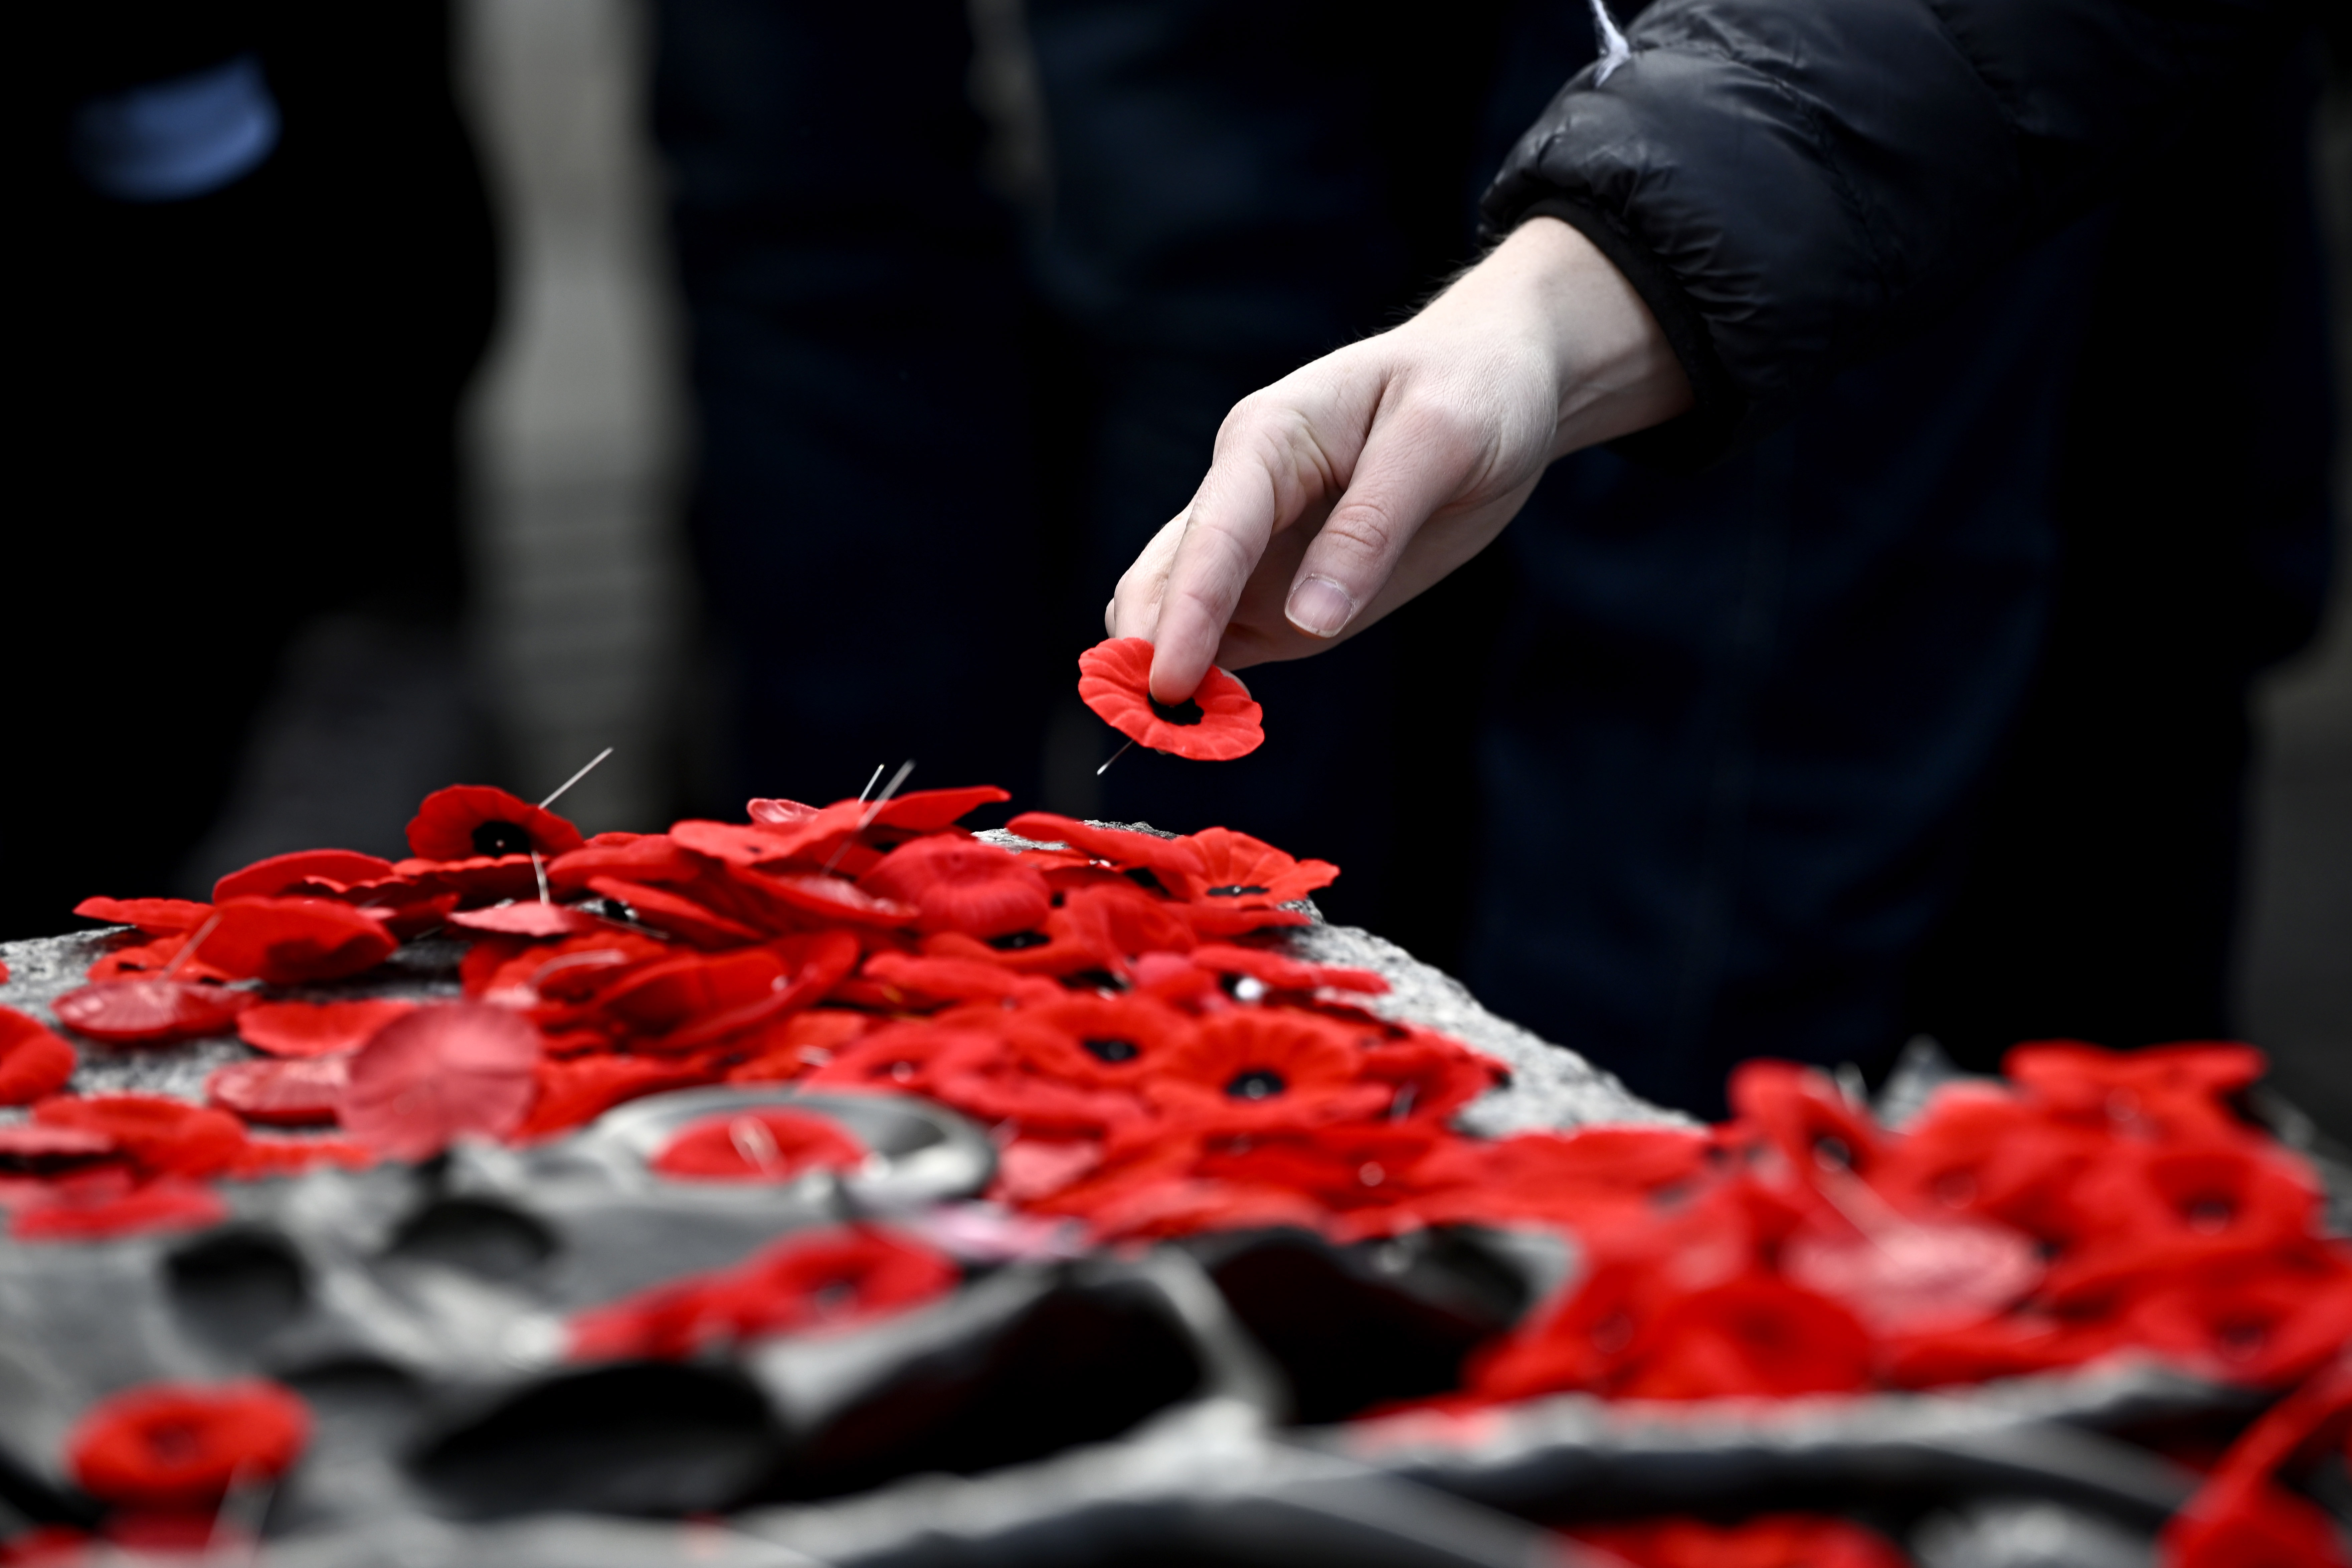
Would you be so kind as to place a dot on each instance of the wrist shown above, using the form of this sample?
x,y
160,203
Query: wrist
x,y
1612,368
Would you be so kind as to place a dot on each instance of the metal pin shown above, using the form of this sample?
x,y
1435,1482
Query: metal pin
x,y
754,1140
188,949
575,778
541,872
237,1522
1114,757
869,782
879,802
888,791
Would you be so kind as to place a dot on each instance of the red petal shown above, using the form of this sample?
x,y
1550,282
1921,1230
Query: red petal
x,y
267,1157
832,897
677,915
290,941
571,1092
33,1146
929,810
34,1062
763,1143
1114,679
284,873
299,1030
64,1215
282,1093
166,1136
522,918
444,826
779,813
1121,848
181,1446
153,917
150,1011
438,1074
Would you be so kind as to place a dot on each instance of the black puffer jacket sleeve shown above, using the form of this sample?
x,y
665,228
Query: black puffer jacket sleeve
x,y
1793,184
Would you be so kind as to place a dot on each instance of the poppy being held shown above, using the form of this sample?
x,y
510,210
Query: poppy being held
x,y
178,1448
1217,723
465,821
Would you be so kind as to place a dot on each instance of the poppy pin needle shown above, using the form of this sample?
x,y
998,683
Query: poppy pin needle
x,y
872,811
871,781
188,949
575,778
540,870
1114,757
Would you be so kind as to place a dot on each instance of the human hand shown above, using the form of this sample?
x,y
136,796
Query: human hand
x,y
1356,482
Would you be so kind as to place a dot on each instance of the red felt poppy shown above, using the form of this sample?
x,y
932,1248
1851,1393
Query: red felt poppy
x,y
2165,1089
441,1072
1216,723
571,1092
1276,973
166,1137
468,820
917,983
677,914
1979,1150
64,1213
1903,1278
302,1029
178,1448
790,1048
263,1158
292,942
833,899
1751,1336
910,1056
929,810
34,1062
30,1146
961,884
685,1003
1170,860
281,1093
152,917
2239,1519
1103,1042
758,1143
305,871
1248,873
1799,1112
778,812
150,1010
526,918
1264,1063
2259,1315
826,1279
1771,1541
1117,922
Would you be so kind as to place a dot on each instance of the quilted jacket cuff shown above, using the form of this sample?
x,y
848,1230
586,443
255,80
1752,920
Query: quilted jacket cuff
x,y
1703,436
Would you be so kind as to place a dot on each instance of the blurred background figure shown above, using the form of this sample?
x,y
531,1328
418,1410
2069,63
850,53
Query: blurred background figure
x,y
966,290
258,272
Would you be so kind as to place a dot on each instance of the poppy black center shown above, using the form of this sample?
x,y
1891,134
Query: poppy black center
x,y
500,838
1111,1050
1185,712
1259,1083
1237,890
1016,940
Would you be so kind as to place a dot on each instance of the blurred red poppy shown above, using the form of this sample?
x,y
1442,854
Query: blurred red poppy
x,y
1171,861
1264,1063
441,1072
152,917
1799,1112
2167,1088
961,884
281,1093
306,871
179,1447
758,1143
1216,723
291,942
150,1010
163,1136
826,1279
262,1158
910,1056
1247,873
530,918
1277,973
468,820
299,1029
34,1061
1770,1541
677,914
1104,1042
1751,1336
569,1093
64,1213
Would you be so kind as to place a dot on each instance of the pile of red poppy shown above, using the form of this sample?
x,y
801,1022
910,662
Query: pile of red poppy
x,y
1116,1008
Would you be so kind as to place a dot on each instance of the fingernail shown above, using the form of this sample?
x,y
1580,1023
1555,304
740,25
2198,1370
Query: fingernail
x,y
1319,608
